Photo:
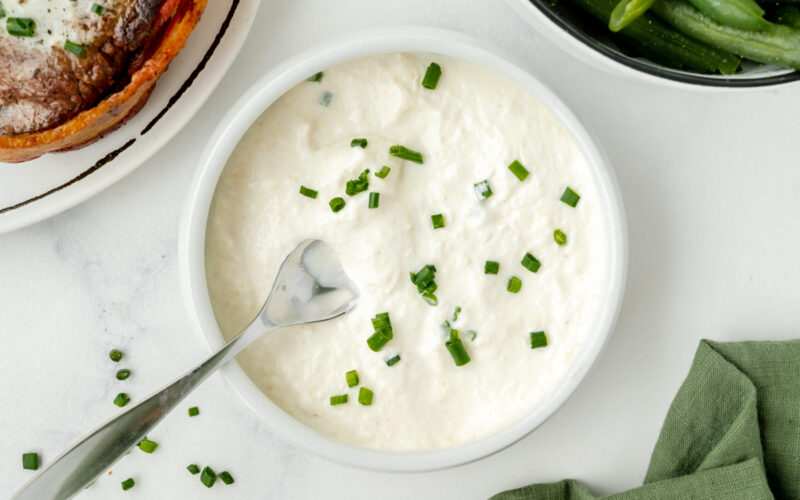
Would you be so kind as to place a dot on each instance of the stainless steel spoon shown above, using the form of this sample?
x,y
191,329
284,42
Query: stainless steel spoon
x,y
311,286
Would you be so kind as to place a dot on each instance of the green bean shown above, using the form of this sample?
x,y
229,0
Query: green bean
x,y
777,44
788,15
744,14
626,11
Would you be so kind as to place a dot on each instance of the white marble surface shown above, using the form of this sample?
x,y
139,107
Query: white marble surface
x,y
710,183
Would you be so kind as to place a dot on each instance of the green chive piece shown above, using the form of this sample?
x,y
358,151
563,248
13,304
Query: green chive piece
x,y
208,477
437,220
472,333
456,312
514,284
359,185
457,349
226,477
325,99
316,77
20,26
127,484
570,197
393,360
404,153
122,399
147,446
383,332
374,200
361,143
491,267
115,355
483,190
338,400
432,75
426,286
560,237
308,192
384,171
377,340
193,469
365,396
75,48
98,9
194,411
123,374
531,263
2,11
352,378
337,203
538,339
518,170
30,461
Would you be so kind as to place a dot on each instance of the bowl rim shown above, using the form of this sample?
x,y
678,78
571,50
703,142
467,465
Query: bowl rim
x,y
589,50
240,117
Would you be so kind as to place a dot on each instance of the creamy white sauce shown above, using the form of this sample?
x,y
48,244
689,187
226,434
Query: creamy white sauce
x,y
56,20
469,129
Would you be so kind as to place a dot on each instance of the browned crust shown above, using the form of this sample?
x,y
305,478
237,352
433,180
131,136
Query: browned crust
x,y
114,110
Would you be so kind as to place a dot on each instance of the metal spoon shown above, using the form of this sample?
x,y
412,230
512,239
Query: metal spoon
x,y
311,286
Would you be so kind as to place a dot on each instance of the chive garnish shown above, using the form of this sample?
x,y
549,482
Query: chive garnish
x,y
560,237
115,355
98,9
531,263
147,446
456,312
483,190
514,284
30,461
365,396
308,192
325,99
457,349
538,339
393,360
338,400
383,172
127,484
122,399
491,267
383,332
352,378
337,203
123,374
432,75
193,469
570,197
374,200
359,185
472,333
194,411
20,26
226,477
208,477
517,169
404,153
437,220
316,77
2,11
75,48
361,143
426,286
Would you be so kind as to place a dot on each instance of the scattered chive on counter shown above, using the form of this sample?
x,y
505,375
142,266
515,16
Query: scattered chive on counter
x,y
147,446
359,185
316,77
514,284
308,192
194,411
531,263
383,332
570,197
208,477
491,267
456,349
337,203
518,170
75,48
361,143
364,396
483,190
20,26
123,374
431,78
393,360
122,399
338,400
560,237
325,99
127,484
115,355
374,200
538,339
193,469
30,461
383,172
404,153
426,286
352,378
226,477
98,9
437,220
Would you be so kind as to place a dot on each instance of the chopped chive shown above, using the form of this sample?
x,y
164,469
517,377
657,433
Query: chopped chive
x,y
2,11
20,26
352,378
226,477
483,190
426,286
75,48
325,99
383,172
365,396
123,374
359,185
361,143
560,237
514,284
491,267
208,477
338,400
456,312
193,469
531,263
316,77
570,197
127,484
377,340
383,332
472,333
538,339
432,75
518,170
308,192
30,461
98,9
194,411
122,399
457,349
437,220
404,153
374,200
147,446
393,360
382,322
115,355
337,203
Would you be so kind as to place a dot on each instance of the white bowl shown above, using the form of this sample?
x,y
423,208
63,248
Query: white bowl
x,y
259,98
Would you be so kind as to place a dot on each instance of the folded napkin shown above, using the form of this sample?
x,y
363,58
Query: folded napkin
x,y
732,432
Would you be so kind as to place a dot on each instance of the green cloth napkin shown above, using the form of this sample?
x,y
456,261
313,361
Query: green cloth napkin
x,y
732,432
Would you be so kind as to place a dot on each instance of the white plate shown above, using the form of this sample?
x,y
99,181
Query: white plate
x,y
37,189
